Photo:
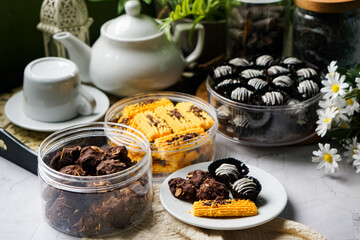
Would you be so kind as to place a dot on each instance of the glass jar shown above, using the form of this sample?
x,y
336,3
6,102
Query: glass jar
x,y
88,206
324,32
256,27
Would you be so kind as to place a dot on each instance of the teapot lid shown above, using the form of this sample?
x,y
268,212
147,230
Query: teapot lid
x,y
131,25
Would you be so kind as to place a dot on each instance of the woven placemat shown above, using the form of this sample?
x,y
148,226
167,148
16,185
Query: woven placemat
x,y
160,225
32,139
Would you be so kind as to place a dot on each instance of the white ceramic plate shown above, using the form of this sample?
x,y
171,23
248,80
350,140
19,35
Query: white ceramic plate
x,y
271,202
13,111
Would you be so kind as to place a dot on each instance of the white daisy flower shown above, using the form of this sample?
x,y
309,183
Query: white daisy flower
x,y
357,80
339,104
325,120
327,158
343,124
334,86
332,69
352,106
356,156
351,147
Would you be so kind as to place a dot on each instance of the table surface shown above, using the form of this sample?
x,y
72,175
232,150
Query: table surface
x,y
328,204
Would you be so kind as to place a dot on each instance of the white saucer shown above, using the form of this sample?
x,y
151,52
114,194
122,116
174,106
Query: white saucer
x,y
271,202
13,111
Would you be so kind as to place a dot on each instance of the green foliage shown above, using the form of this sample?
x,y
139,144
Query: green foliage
x,y
341,134
350,74
198,10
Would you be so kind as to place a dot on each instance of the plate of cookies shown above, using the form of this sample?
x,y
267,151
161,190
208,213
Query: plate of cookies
x,y
226,194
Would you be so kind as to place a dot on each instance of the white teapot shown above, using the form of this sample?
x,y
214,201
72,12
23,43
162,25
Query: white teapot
x,y
131,55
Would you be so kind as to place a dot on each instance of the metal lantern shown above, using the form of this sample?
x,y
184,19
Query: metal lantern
x,y
63,15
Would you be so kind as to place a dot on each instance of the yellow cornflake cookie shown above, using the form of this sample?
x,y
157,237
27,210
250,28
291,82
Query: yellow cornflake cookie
x,y
131,110
198,117
224,208
149,124
178,138
173,118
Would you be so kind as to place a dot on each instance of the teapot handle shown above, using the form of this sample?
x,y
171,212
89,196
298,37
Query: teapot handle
x,y
181,27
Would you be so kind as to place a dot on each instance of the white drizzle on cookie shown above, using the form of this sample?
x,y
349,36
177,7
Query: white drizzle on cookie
x,y
283,81
306,72
240,121
228,170
251,73
241,94
244,185
277,70
308,88
264,60
292,60
257,83
272,98
240,62
222,71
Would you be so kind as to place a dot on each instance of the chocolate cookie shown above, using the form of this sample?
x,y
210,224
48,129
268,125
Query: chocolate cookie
x,y
182,188
75,170
211,189
117,153
67,156
90,157
110,166
197,177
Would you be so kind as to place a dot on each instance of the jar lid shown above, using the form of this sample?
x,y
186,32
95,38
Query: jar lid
x,y
328,6
131,25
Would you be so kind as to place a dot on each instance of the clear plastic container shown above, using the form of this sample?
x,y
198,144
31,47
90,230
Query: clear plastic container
x,y
269,126
171,158
256,27
89,206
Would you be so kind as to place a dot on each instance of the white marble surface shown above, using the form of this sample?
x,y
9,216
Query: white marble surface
x,y
328,204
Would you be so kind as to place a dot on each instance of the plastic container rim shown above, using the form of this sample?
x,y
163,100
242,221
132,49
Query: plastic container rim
x,y
43,168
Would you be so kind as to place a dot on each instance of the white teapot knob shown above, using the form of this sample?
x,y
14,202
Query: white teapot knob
x,y
132,7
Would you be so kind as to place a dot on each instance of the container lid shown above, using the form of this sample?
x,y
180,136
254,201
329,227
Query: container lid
x,y
328,6
132,25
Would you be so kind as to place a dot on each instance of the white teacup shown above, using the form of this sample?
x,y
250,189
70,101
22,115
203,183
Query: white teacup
x,y
52,91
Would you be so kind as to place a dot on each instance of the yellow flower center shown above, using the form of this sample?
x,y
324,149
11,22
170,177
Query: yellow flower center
x,y
327,120
350,102
331,74
335,88
353,152
328,158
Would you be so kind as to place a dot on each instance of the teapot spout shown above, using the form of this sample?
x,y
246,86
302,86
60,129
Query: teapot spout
x,y
79,52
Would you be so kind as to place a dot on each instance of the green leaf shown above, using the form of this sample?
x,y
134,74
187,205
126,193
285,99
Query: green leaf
x,y
191,32
354,93
341,70
186,8
121,6
177,14
199,8
148,2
